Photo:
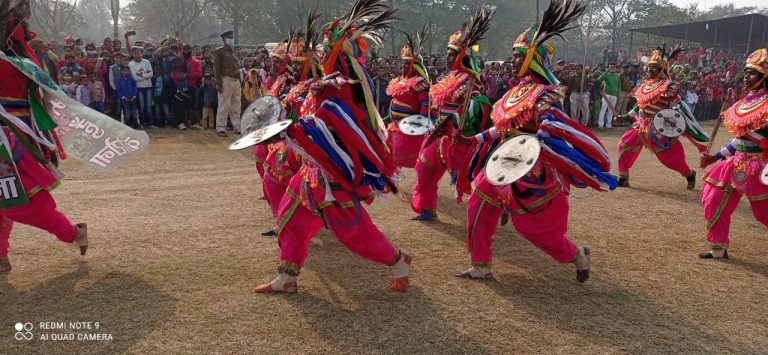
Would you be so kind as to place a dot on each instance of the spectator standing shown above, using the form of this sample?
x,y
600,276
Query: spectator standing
x,y
84,92
227,74
96,89
609,83
114,74
68,85
579,96
163,94
194,76
253,88
127,92
206,98
625,87
141,71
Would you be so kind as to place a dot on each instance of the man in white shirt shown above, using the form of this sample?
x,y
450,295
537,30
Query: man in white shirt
x,y
141,70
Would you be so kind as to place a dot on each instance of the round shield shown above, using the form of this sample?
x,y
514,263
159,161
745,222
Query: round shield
x,y
512,159
670,123
264,111
260,135
764,175
415,125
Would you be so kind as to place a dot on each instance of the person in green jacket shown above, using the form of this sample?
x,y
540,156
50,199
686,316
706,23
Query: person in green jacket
x,y
609,83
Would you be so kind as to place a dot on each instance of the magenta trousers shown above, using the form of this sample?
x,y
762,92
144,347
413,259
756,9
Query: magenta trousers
x,y
351,225
274,191
545,226
433,162
260,152
40,212
631,144
723,187
5,235
405,149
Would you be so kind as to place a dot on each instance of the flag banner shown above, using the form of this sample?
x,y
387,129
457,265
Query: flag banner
x,y
95,139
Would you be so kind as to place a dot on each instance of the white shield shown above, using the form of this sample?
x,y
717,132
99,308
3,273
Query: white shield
x,y
415,125
670,123
260,135
512,159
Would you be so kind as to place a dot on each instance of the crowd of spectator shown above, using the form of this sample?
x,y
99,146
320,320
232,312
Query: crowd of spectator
x,y
171,84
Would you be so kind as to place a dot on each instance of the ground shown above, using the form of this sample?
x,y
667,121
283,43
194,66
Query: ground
x,y
176,251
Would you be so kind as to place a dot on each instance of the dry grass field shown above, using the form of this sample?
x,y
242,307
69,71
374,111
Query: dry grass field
x,y
175,252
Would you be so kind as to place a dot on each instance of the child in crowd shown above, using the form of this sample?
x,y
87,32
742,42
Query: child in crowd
x,y
161,100
83,94
253,88
207,97
96,87
69,86
127,92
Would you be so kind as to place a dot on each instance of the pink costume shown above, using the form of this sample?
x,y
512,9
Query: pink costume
x,y
456,94
410,96
345,163
281,165
22,161
738,171
538,202
571,156
654,95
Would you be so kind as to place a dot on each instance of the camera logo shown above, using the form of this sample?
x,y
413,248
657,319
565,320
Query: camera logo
x,y
23,331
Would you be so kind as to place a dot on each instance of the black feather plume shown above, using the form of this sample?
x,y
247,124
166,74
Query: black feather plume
x,y
558,18
368,18
478,25
312,31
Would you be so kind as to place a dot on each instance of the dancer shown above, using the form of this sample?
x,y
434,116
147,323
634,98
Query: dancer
x,y
29,167
464,109
283,162
739,163
410,96
345,159
654,94
570,156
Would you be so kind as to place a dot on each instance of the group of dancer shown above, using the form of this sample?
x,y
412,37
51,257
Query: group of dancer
x,y
338,153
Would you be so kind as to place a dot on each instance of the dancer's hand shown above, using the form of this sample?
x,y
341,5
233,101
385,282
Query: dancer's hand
x,y
707,160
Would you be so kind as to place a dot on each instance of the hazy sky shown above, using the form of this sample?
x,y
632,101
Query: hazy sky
x,y
706,4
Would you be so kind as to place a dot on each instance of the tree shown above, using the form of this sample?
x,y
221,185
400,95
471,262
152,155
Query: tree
x,y
53,18
160,17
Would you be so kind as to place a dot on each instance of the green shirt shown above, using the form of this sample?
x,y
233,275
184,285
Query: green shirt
x,y
610,83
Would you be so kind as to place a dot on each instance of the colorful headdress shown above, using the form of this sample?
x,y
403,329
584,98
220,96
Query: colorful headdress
x,y
558,18
661,58
311,39
467,41
347,35
758,60
455,41
411,52
280,50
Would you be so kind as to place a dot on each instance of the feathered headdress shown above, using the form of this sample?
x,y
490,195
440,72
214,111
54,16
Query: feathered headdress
x,y
311,39
411,52
661,58
467,40
367,19
558,18
758,60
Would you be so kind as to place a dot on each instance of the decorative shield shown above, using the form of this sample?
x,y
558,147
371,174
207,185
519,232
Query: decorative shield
x,y
764,175
415,125
260,135
670,123
263,112
512,159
